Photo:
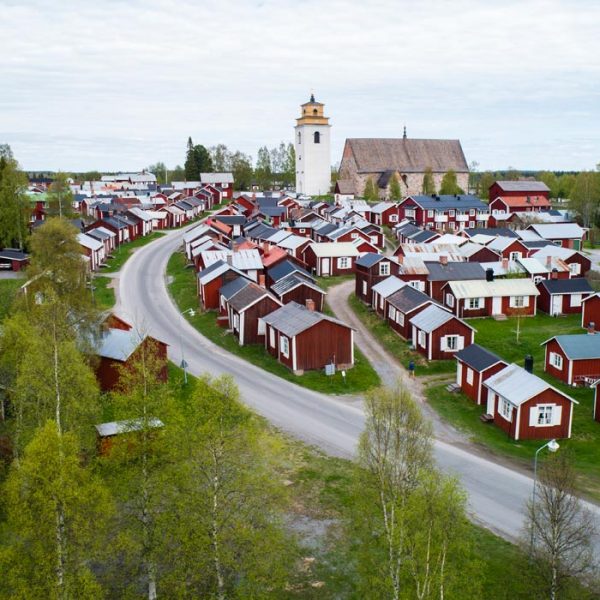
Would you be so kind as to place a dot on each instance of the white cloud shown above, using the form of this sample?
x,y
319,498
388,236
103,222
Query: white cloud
x,y
121,84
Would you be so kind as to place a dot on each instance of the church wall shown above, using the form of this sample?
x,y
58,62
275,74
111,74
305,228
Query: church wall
x,y
313,161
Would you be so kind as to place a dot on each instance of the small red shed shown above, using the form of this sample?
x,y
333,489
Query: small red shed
x,y
574,359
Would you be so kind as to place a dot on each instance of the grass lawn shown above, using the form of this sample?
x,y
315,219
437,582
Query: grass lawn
x,y
8,291
122,253
500,337
105,296
395,345
182,287
326,282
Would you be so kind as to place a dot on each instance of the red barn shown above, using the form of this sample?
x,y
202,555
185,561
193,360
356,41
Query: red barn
x,y
120,348
439,335
563,296
303,339
518,189
526,407
574,359
475,364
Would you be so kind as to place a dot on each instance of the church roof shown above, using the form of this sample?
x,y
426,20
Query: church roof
x,y
407,155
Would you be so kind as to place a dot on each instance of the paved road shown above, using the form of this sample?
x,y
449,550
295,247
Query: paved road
x,y
496,494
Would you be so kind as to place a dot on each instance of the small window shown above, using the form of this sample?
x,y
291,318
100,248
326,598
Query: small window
x,y
301,230
384,268
451,342
400,318
556,360
354,235
538,279
469,376
451,213
343,262
576,300
472,212
450,300
236,322
392,313
284,346
575,268
544,416
317,137
474,303
518,301
261,327
515,255
422,339
505,409
394,218
430,214
299,137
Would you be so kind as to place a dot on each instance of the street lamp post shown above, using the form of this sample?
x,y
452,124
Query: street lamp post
x,y
183,365
552,446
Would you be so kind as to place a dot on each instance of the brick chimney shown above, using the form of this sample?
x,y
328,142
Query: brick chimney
x,y
548,261
554,274
310,304
443,259
591,328
262,280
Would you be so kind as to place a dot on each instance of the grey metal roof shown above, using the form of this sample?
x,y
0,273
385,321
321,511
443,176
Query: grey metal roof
x,y
293,318
247,296
444,202
454,271
408,229
478,357
523,186
579,285
369,259
431,318
388,286
422,237
232,287
13,254
517,385
286,267
493,231
578,346
555,231
408,298
119,344
117,427
291,281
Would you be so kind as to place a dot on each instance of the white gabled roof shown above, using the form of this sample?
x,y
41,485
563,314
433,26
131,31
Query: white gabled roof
x,y
292,242
279,236
87,241
144,215
244,260
334,249
556,231
450,238
482,238
107,231
490,289
381,207
517,385
556,251
216,178
117,427
532,266
502,242
432,317
195,233
388,286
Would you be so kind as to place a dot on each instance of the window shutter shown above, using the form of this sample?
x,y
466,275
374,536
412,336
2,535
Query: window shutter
x,y
460,342
443,343
525,301
533,416
556,415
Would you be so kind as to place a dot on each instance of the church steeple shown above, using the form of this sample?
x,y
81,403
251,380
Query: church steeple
x,y
404,136
312,113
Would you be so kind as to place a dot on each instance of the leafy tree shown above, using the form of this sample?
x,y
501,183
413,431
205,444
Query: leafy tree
x,y
551,180
565,185
428,182
177,173
14,203
160,170
512,174
225,539
221,158
371,194
203,159
60,196
486,180
561,528
263,172
449,184
395,190
585,196
288,172
56,512
241,168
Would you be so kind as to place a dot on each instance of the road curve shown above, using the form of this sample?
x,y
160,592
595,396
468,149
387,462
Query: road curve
x,y
497,495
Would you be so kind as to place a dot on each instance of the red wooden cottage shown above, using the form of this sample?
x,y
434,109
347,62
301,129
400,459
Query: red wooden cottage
x,y
382,290
475,364
445,212
563,296
330,258
13,260
370,269
385,213
591,311
567,235
518,189
574,359
297,288
402,306
578,263
210,281
438,335
526,407
509,247
303,339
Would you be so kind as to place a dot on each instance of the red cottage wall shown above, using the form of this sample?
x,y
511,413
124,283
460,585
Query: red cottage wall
x,y
526,432
316,346
591,312
562,374
524,311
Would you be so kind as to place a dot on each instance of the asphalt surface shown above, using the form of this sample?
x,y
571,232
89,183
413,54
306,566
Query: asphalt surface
x,y
497,495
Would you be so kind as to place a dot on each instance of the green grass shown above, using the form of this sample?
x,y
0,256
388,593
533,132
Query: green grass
x,y
182,287
8,292
122,253
395,345
500,337
326,282
104,296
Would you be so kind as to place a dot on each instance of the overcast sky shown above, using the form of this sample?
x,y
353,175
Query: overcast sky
x,y
115,85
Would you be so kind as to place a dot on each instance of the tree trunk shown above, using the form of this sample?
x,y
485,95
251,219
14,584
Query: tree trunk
x,y
59,535
215,530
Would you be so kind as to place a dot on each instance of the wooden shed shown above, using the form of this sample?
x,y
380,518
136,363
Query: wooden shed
x,y
574,359
475,364
563,296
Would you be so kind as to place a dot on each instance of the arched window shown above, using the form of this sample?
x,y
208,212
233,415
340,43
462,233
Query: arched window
x,y
315,112
317,137
299,137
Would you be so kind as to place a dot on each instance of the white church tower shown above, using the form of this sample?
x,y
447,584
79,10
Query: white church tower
x,y
313,155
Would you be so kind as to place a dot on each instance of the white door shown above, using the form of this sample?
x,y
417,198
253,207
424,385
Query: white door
x,y
497,306
557,301
459,369
325,266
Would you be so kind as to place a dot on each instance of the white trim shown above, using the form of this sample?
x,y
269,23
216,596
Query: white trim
x,y
294,360
518,422
352,345
241,329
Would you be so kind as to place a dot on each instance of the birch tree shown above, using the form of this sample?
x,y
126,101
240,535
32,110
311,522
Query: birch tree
x,y
56,515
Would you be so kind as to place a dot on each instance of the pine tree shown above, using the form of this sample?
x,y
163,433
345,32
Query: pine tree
x,y
191,166
450,185
428,183
371,194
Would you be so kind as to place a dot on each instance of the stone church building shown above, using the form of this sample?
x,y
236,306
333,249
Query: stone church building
x,y
406,158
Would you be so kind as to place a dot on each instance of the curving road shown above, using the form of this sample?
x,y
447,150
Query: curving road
x,y
497,495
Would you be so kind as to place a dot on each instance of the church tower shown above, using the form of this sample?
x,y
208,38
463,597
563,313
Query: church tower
x,y
313,155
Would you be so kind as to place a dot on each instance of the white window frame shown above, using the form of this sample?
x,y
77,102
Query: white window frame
x,y
538,279
576,300
284,346
556,360
472,212
469,376
545,415
393,218
430,214
449,299
400,318
301,230
514,256
452,343
391,313
575,268
261,328
422,339
409,213
343,262
474,304
451,212
471,224
384,268
517,301
271,337
236,322
505,409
